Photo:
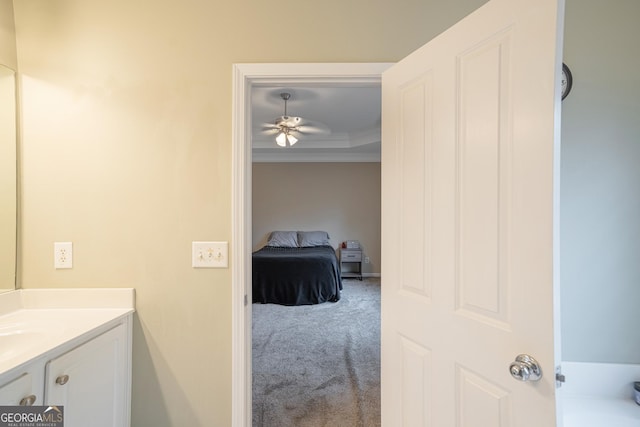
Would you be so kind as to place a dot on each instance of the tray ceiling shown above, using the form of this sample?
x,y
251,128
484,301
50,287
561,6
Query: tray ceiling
x,y
351,113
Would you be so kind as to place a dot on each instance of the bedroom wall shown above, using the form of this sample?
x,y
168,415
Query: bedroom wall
x,y
340,198
600,183
126,152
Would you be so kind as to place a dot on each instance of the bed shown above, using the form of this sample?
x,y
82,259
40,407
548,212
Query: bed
x,y
296,272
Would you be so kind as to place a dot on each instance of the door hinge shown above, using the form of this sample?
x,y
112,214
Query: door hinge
x,y
246,300
560,378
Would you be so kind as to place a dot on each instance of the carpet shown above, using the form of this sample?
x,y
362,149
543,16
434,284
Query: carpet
x,y
319,365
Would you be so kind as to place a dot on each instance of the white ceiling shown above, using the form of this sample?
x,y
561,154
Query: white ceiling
x,y
352,113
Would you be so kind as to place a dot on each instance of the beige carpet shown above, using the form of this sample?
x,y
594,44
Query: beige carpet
x,y
319,365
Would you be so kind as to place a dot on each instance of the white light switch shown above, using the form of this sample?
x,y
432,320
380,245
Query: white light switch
x,y
210,254
63,255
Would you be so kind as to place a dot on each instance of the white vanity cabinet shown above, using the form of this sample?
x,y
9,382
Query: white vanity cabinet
x,y
78,357
24,390
91,381
89,376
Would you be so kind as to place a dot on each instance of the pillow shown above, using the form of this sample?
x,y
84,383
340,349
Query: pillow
x,y
283,239
308,239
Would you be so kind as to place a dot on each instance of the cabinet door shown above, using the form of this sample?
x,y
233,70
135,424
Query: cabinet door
x,y
89,381
20,391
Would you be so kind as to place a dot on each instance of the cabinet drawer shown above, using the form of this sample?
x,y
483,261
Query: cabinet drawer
x,y
351,256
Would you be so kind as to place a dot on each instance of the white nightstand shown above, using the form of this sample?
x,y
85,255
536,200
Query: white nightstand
x,y
352,259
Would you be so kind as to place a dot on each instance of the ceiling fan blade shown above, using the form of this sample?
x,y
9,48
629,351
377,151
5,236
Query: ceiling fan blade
x,y
271,131
313,130
311,127
269,126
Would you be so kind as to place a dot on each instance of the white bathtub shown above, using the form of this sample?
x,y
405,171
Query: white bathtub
x,y
599,395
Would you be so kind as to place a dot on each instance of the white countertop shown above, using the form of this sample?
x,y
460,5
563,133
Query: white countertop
x,y
600,412
34,322
599,394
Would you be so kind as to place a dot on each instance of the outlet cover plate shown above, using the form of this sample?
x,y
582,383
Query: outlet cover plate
x,y
210,254
63,255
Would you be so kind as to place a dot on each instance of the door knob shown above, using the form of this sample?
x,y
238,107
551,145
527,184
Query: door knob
x,y
525,368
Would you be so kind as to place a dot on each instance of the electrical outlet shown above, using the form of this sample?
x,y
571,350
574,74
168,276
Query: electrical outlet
x,y
63,255
210,254
367,260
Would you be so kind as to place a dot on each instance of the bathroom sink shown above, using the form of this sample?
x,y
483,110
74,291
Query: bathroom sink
x,y
16,338
28,333
23,331
36,322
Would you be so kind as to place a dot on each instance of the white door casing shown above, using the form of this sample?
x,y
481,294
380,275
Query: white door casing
x,y
244,77
469,197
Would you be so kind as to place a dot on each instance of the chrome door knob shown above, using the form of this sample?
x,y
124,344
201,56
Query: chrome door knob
x,y
525,368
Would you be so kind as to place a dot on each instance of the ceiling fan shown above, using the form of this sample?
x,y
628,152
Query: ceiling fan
x,y
288,129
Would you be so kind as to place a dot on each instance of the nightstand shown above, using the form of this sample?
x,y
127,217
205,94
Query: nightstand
x,y
351,258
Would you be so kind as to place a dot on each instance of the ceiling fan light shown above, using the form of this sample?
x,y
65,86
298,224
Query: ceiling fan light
x,y
292,139
281,139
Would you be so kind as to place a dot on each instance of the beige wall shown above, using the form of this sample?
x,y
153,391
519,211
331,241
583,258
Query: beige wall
x,y
8,64
340,198
7,35
126,151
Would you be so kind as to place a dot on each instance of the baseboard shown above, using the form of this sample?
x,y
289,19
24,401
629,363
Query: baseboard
x,y
370,274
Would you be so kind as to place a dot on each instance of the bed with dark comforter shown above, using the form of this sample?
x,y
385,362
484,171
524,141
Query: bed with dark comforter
x,y
296,276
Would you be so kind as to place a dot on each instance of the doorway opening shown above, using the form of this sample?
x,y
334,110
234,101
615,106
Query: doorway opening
x,y
245,76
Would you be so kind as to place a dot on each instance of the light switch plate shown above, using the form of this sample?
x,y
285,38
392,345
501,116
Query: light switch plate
x,y
210,254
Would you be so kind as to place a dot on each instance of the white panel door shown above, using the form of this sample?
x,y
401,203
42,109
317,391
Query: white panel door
x,y
469,140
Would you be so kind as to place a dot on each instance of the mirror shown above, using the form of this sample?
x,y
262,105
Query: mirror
x,y
8,184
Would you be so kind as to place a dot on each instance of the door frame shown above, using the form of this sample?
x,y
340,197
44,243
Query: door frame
x,y
244,77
